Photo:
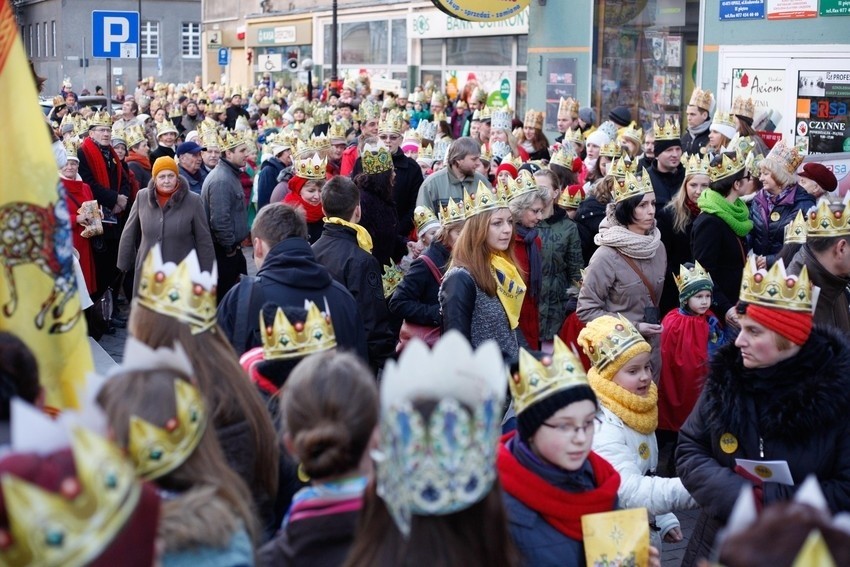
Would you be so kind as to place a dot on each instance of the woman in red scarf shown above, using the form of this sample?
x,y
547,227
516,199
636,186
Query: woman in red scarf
x,y
307,194
77,193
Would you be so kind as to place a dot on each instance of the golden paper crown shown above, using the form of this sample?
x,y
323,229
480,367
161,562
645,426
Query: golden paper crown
x,y
775,288
479,95
485,113
133,135
71,147
320,142
689,276
537,380
726,166
633,133
81,125
669,131
337,131
621,166
118,134
370,110
427,154
533,119
284,340
312,167
181,291
440,117
175,111
796,230
211,140
75,525
321,116
68,120
743,107
724,119
486,153
823,222
232,140
376,159
100,118
611,150
484,200
788,157
424,216
622,336
393,275
165,127
571,197
157,451
438,98
392,124
753,163
696,165
702,99
567,108
564,156
217,108
745,144
411,136
452,212
575,136
523,185
631,186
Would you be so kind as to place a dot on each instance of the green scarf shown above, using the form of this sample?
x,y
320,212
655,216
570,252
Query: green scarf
x,y
736,214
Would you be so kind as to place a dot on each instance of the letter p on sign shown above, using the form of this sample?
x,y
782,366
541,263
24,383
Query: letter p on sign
x,y
115,30
115,34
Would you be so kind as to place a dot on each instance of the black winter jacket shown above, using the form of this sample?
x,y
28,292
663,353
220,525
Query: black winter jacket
x,y
417,297
768,232
665,184
590,213
719,250
694,144
267,181
408,178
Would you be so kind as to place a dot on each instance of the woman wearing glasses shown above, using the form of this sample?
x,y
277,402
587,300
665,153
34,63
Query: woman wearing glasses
x,y
621,377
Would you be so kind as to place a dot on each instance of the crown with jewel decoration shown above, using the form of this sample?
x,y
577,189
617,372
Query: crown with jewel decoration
x,y
669,131
611,150
744,107
232,140
71,147
370,110
181,291
100,118
632,186
427,130
75,525
753,163
533,119
523,185
165,127
485,114
633,133
690,277
452,212
621,166
313,167
484,200
796,230
776,289
442,461
576,136
744,144
617,339
696,165
702,99
564,156
376,159
501,119
788,157
725,119
392,276
337,130
392,124
537,380
424,219
571,197
726,165
321,116
284,340
567,108
320,142
824,221
133,134
486,154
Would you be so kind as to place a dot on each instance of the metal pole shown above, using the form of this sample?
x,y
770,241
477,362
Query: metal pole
x,y
140,40
334,47
109,85
310,85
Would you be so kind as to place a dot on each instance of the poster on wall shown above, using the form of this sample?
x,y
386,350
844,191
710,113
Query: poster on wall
x,y
741,10
791,9
481,10
461,80
767,89
834,8
823,101
560,82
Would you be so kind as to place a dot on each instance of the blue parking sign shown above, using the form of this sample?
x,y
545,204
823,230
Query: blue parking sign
x,y
115,34
223,56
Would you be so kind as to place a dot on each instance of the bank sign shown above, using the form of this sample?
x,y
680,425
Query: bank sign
x,y
430,24
276,35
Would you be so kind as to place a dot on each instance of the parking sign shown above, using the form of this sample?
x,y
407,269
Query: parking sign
x,y
115,34
223,56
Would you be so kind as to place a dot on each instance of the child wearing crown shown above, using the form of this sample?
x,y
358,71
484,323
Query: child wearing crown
x,y
691,335
621,377
305,192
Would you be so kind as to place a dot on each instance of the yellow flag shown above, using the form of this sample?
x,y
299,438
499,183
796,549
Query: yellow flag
x,y
39,301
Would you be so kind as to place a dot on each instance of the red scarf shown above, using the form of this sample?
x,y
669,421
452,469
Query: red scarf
x,y
95,161
314,213
693,208
560,509
133,157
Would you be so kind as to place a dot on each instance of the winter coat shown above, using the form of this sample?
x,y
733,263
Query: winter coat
x,y
540,544
635,456
833,306
162,151
140,167
180,227
190,123
289,275
233,112
360,273
562,262
722,253
678,247
416,299
380,217
588,217
442,185
196,181
408,180
529,316
694,144
224,203
768,234
794,411
267,180
665,184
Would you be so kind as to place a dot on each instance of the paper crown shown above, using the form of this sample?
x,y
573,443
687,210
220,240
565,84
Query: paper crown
x,y
438,98
426,155
133,135
633,133
100,118
392,124
702,99
165,127
796,230
621,166
632,186
478,95
181,291
576,136
824,222
443,461
175,112
320,142
744,144
81,126
440,117
571,197
669,131
743,107
537,380
486,154
533,119
726,165
696,165
618,340
452,212
232,140
753,163
376,159
118,134
424,218
787,157
283,340
321,116
427,130
523,185
501,120
725,119
411,137
211,140
71,146
336,132
688,277
611,149
564,156
485,114
441,148
500,149
370,110
313,167
76,524
392,276
774,288
567,108
484,200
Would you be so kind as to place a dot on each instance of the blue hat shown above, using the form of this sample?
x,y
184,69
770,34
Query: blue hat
x,y
189,148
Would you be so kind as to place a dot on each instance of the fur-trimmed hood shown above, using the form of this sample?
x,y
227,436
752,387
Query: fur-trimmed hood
x,y
794,399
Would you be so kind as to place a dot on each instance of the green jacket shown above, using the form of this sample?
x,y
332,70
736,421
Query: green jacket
x,y
562,262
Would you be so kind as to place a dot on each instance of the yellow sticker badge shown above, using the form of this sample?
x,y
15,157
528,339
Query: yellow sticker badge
x,y
763,471
643,450
728,443
774,216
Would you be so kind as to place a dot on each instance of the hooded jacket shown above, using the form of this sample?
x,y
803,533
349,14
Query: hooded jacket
x,y
267,180
794,411
408,180
416,299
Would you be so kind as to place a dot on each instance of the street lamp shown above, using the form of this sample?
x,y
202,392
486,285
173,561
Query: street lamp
x,y
140,41
307,65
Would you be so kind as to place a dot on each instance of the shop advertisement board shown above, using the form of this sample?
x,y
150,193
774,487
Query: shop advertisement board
x,y
823,102
839,165
428,24
497,84
835,7
481,10
767,89
560,82
741,9
791,9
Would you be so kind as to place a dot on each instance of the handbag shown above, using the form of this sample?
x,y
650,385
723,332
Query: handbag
x,y
426,333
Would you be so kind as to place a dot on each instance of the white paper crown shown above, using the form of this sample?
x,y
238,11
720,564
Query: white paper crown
x,y
442,462
427,130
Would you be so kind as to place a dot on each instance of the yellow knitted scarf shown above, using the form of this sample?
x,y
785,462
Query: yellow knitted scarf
x,y
509,287
364,239
638,412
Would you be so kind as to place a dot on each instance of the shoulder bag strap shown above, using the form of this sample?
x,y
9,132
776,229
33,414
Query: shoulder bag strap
x,y
435,271
642,277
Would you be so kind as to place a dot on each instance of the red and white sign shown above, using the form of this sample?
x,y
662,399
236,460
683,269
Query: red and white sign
x,y
791,9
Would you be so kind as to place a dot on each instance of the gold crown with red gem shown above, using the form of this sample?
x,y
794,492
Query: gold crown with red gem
x,y
696,165
567,108
621,166
796,230
536,380
632,186
725,166
611,150
451,213
283,339
667,131
485,200
689,276
564,156
392,276
776,289
829,220
314,167
606,338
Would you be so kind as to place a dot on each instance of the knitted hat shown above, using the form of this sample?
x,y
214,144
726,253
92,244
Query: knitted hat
x,y
662,145
164,163
821,175
610,342
587,115
530,420
621,116
691,280
599,138
507,165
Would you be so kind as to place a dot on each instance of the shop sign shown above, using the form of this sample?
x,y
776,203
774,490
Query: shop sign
x,y
436,24
823,102
481,10
741,10
276,35
791,9
767,89
835,7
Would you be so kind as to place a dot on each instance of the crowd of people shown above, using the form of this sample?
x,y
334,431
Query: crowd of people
x,y
462,341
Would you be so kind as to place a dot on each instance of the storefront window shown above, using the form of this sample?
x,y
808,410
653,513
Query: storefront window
x,y
364,43
432,51
480,51
433,76
399,49
522,50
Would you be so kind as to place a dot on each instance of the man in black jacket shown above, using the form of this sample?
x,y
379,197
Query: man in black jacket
x,y
234,111
288,275
699,120
344,249
667,172
281,149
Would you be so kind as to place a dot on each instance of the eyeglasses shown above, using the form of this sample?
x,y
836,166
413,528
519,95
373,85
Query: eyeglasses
x,y
102,130
393,137
572,431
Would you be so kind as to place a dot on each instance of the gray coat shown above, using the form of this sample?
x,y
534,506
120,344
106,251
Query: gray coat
x,y
224,202
439,187
178,228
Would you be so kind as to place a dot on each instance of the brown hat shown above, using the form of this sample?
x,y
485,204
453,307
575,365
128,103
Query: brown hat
x,y
821,175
